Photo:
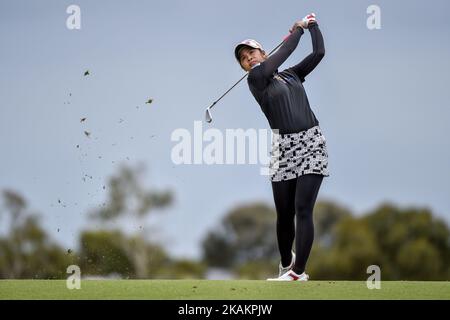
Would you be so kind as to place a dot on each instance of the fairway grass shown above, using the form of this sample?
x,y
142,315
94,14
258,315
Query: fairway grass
x,y
221,290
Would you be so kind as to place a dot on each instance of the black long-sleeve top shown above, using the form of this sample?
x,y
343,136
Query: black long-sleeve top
x,y
281,95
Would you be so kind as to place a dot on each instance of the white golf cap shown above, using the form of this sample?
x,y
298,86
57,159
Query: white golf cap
x,y
249,43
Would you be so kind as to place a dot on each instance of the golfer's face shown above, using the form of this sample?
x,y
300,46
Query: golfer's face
x,y
249,57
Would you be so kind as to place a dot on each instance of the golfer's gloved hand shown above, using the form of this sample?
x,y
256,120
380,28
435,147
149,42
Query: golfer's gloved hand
x,y
309,20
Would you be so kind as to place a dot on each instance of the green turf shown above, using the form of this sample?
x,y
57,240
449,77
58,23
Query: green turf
x,y
236,290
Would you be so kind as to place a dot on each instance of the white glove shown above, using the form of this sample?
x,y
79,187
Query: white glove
x,y
309,19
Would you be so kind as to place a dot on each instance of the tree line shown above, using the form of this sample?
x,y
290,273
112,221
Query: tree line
x,y
406,243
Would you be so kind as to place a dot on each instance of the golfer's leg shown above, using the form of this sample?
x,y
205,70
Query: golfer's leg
x,y
306,194
284,196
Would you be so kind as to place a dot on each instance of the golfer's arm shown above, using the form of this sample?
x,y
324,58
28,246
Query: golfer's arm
x,y
259,75
273,62
312,60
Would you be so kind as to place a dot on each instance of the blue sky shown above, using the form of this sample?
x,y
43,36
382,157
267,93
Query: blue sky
x,y
380,96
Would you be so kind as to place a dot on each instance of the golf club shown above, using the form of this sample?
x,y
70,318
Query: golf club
x,y
208,116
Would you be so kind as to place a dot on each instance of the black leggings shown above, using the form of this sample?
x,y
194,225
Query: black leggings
x,y
296,198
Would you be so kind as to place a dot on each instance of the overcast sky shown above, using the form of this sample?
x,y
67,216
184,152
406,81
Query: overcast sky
x,y
380,96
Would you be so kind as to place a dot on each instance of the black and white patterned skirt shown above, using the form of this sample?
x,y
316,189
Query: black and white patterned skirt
x,y
296,154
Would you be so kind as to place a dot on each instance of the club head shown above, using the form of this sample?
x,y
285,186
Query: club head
x,y
208,116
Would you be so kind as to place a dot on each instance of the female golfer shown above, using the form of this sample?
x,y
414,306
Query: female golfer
x,y
299,157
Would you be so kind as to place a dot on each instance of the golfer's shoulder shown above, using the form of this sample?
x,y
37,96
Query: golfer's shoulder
x,y
256,70
256,74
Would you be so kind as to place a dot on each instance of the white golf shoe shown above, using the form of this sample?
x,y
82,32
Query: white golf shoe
x,y
282,270
291,276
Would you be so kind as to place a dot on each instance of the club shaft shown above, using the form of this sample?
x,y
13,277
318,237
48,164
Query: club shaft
x,y
212,105
228,90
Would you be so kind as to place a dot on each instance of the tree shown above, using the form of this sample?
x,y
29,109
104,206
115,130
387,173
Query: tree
x,y
27,251
107,252
246,233
102,253
415,245
419,260
182,269
128,197
354,249
218,249
406,243
327,215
